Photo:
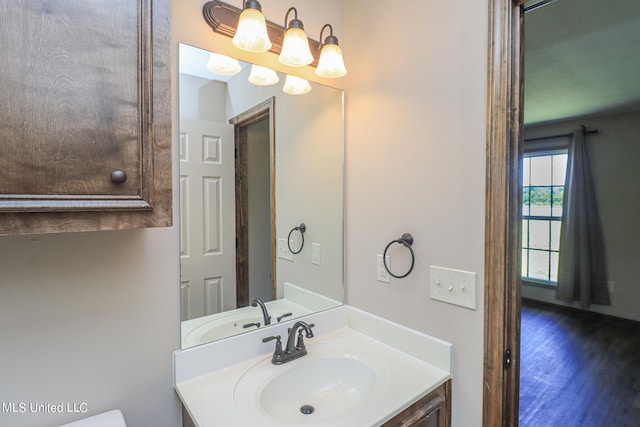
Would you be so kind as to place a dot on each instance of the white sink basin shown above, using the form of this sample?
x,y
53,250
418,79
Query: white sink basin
x,y
360,370
330,381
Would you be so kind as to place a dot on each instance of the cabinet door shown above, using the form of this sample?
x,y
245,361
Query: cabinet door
x,y
426,417
85,115
432,410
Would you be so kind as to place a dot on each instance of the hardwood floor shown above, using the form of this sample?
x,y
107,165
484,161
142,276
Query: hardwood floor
x,y
578,369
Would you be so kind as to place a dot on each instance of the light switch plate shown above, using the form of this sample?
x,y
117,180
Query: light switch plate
x,y
453,286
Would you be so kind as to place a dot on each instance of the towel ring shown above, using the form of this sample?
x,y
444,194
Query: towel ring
x,y
301,228
406,240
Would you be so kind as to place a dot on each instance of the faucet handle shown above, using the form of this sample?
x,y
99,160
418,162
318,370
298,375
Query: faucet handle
x,y
275,337
278,354
248,325
279,318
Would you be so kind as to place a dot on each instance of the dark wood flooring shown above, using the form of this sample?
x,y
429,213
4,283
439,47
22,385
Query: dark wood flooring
x,y
578,370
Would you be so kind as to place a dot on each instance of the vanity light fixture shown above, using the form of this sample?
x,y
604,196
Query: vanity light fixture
x,y
223,65
331,63
251,34
263,76
225,19
295,45
296,86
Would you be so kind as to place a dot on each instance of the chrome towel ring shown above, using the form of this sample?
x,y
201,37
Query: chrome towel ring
x,y
301,228
407,241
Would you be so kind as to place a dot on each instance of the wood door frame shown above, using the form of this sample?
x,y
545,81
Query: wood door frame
x,y
502,214
263,111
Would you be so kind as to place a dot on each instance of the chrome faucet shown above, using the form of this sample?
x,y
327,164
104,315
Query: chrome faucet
x,y
258,302
291,351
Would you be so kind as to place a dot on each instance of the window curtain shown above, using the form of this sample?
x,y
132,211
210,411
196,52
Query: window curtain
x,y
582,273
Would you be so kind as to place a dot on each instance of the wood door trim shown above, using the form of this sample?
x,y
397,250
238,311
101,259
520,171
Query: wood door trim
x,y
262,111
502,227
242,220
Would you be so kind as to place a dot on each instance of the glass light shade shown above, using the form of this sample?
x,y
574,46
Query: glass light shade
x,y
223,65
263,76
331,63
295,48
296,86
251,34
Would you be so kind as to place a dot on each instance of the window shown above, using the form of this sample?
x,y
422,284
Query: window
x,y
543,190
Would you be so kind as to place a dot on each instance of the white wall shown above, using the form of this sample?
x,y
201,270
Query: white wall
x,y
89,318
202,99
415,156
614,155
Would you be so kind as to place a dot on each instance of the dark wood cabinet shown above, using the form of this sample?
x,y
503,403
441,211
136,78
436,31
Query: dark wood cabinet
x,y
85,115
432,410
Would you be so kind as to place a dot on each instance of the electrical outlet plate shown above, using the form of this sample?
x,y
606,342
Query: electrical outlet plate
x,y
283,250
381,273
453,286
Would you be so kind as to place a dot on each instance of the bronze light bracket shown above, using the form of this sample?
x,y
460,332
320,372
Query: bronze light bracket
x,y
331,39
223,19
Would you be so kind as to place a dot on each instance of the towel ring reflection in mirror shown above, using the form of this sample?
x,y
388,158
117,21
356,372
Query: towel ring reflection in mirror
x,y
301,228
407,241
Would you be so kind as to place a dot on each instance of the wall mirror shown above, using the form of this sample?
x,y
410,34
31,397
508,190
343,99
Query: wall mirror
x,y
255,164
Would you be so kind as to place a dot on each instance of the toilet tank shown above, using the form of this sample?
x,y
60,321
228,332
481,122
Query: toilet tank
x,y
106,419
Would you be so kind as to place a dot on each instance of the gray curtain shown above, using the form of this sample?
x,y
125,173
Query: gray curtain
x,y
582,273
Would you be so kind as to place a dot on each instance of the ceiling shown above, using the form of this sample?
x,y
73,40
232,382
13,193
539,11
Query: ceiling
x,y
582,57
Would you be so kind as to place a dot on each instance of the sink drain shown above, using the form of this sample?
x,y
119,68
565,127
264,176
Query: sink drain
x,y
307,409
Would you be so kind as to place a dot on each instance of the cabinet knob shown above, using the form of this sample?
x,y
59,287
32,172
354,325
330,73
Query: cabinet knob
x,y
118,176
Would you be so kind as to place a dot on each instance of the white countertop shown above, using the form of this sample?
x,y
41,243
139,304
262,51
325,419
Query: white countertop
x,y
206,377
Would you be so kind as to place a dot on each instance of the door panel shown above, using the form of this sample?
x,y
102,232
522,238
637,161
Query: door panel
x,y
207,216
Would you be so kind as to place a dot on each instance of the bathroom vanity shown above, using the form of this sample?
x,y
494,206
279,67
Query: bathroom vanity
x,y
359,369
